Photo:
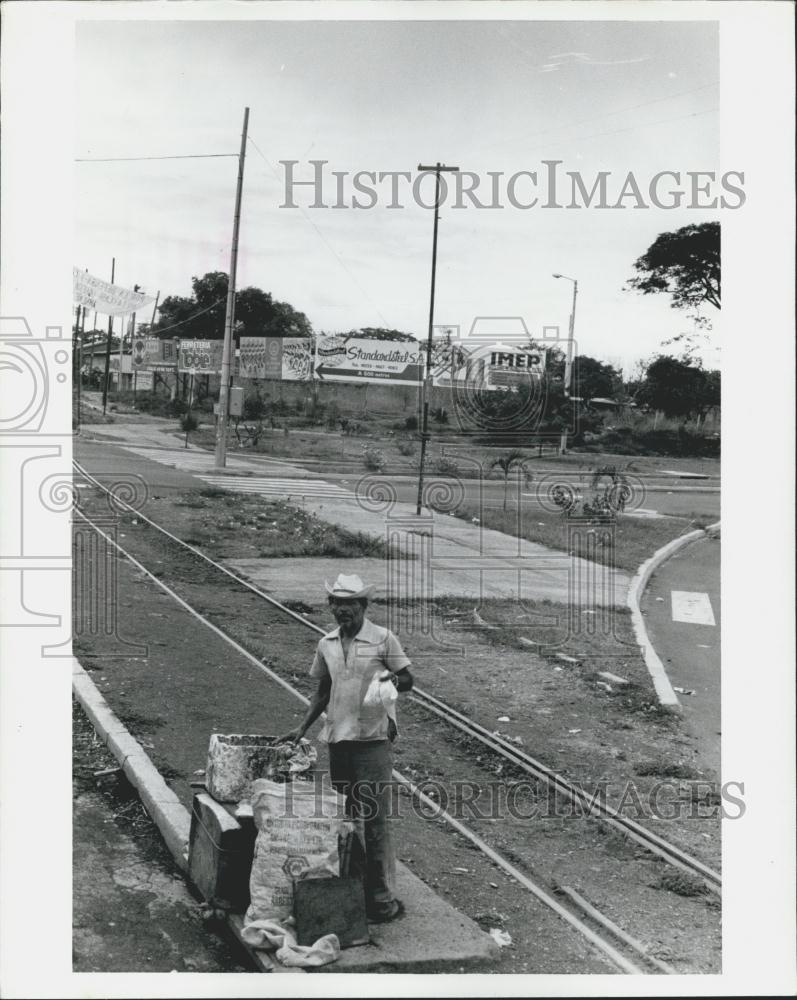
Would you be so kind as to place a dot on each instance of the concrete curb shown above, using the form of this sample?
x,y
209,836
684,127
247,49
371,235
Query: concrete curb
x,y
167,812
661,682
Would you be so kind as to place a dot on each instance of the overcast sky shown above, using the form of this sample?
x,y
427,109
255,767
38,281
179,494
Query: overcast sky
x,y
385,96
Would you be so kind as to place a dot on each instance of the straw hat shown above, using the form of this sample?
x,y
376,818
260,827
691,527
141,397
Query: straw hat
x,y
348,587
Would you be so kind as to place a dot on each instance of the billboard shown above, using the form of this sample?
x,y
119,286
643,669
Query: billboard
x,y
297,359
150,353
340,358
202,357
260,357
478,365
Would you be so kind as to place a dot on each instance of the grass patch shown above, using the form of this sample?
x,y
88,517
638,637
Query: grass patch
x,y
681,883
660,767
625,544
245,525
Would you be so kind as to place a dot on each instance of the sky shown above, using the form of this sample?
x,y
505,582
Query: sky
x,y
386,96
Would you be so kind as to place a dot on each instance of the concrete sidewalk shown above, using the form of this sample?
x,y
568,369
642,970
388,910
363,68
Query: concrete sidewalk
x,y
445,556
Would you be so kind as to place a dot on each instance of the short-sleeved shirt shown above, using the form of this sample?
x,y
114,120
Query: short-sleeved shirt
x,y
372,650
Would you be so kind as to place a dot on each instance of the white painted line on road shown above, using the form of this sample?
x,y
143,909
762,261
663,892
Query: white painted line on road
x,y
692,607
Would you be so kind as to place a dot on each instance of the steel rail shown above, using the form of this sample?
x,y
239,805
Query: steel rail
x,y
646,838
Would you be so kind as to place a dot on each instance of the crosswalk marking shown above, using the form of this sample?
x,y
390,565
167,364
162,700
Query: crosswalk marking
x,y
692,607
278,487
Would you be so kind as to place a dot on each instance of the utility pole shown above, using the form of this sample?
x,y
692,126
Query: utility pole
x,y
108,351
569,361
229,319
438,168
80,362
76,371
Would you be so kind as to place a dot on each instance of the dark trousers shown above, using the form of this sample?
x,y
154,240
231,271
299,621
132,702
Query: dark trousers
x,y
361,771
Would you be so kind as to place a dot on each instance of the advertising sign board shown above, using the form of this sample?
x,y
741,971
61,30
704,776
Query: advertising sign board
x,y
351,359
203,357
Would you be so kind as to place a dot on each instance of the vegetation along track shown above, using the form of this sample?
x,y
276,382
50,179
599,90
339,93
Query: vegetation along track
x,y
644,838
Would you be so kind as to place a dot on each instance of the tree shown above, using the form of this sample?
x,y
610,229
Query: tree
x,y
593,379
381,333
506,463
679,388
202,316
684,264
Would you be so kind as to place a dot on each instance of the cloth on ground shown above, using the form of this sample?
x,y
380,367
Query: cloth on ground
x,y
277,936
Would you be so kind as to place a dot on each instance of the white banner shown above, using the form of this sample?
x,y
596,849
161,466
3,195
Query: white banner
x,y
108,299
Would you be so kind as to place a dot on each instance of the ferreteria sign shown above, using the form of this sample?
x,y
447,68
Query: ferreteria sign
x,y
202,357
352,359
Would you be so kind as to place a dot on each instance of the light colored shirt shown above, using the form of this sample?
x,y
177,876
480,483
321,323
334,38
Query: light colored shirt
x,y
373,650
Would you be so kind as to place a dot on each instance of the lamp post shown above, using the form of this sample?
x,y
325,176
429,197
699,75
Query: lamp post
x,y
438,168
569,361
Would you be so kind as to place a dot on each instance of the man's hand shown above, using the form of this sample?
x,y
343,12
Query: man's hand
x,y
292,737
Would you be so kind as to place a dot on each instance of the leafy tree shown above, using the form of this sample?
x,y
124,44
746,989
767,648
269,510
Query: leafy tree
x,y
684,264
202,315
679,388
593,379
506,463
381,333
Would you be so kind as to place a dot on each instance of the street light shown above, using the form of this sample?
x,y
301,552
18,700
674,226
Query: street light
x,y
569,361
438,169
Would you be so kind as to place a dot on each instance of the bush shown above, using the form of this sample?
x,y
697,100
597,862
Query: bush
x,y
188,422
406,447
681,443
440,415
373,459
255,407
446,467
411,424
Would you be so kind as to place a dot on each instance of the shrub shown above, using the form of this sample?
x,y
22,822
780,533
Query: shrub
x,y
440,415
445,466
406,447
411,424
373,459
188,422
255,407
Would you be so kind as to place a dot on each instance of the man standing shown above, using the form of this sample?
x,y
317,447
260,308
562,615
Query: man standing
x,y
358,733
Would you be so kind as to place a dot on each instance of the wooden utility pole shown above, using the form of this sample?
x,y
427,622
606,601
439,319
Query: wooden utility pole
x,y
229,319
427,383
108,351
76,370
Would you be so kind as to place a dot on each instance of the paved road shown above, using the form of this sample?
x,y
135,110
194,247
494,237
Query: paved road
x,y
682,605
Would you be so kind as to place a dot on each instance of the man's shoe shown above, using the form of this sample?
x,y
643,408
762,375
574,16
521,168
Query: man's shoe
x,y
384,917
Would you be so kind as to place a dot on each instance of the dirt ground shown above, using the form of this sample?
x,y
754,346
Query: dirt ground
x,y
132,911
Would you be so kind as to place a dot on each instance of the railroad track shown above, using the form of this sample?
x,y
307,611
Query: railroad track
x,y
660,847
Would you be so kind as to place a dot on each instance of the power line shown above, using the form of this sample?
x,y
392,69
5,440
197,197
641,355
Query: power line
x,y
131,159
188,318
323,238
